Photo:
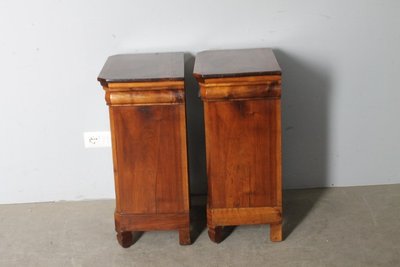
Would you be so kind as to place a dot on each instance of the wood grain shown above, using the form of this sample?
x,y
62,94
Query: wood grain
x,y
134,98
241,91
150,159
239,216
146,222
148,129
241,145
233,89
152,85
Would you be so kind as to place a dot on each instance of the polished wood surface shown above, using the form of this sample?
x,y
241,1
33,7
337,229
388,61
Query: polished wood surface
x,y
236,63
243,140
152,160
142,67
243,154
241,88
148,129
247,215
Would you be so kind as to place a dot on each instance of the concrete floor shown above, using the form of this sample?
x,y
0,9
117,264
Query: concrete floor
x,y
353,226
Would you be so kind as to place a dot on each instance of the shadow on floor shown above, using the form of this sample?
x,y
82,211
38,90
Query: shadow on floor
x,y
136,236
305,121
198,221
297,204
306,90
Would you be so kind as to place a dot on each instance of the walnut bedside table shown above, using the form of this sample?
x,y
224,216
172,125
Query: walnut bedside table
x,y
241,91
146,99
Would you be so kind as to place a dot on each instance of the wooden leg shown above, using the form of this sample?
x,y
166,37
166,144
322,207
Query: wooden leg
x,y
125,239
184,236
275,232
215,233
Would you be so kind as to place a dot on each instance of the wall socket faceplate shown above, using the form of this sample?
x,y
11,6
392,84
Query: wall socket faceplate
x,y
97,139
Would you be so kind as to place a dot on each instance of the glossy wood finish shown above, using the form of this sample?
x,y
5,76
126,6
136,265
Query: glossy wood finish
x,y
243,138
142,67
148,127
236,63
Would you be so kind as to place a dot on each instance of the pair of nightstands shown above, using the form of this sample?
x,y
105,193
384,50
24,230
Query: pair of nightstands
x,y
241,92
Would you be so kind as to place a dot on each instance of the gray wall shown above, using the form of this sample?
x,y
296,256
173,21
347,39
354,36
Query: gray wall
x,y
341,95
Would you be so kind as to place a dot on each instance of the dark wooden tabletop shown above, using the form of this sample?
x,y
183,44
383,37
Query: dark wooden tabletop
x,y
235,63
143,67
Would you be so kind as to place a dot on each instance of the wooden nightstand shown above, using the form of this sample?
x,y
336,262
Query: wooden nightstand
x,y
146,98
241,91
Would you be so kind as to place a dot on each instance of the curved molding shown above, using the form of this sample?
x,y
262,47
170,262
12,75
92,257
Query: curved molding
x,y
234,91
145,86
147,97
145,93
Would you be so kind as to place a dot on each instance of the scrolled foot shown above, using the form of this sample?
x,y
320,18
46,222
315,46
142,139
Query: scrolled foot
x,y
215,234
125,239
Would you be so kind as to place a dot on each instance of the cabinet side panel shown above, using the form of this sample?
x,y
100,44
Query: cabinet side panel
x,y
215,154
241,157
266,142
136,135
148,149
170,176
115,161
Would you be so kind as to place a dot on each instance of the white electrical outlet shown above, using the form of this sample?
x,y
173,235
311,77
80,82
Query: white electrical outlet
x,y
97,139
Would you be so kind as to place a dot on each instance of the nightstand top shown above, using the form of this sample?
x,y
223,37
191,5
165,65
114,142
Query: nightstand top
x,y
236,63
127,68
